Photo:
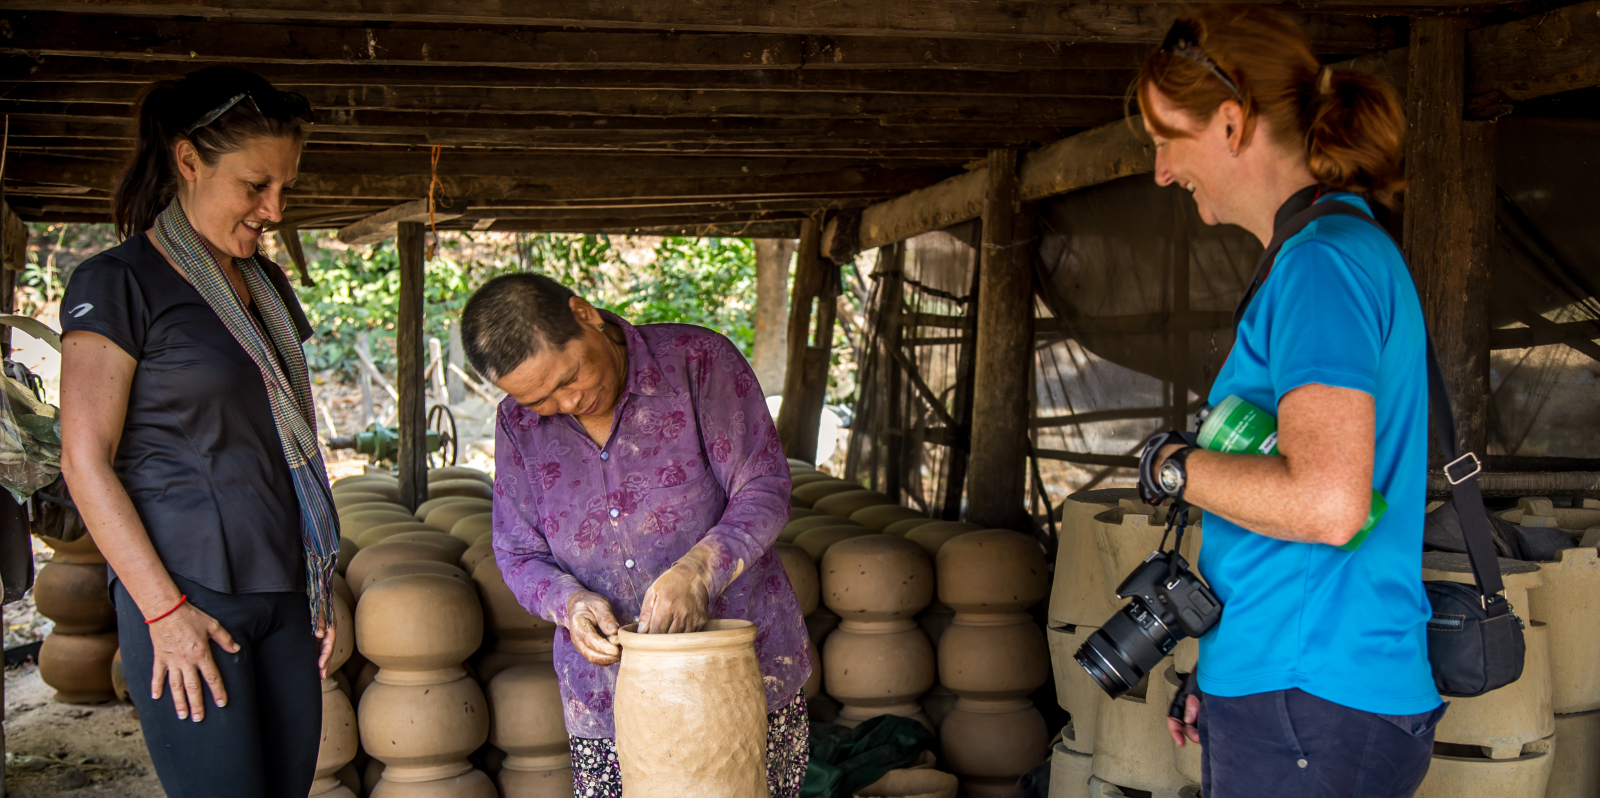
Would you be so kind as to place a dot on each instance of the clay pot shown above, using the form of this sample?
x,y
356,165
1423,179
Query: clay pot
x,y
442,473
376,534
1568,603
1132,745
446,516
900,528
875,578
351,525
877,669
423,732
487,537
366,678
515,629
389,491
341,588
817,541
474,526
991,744
1081,596
460,487
371,559
793,529
81,551
841,505
555,782
418,628
345,483
878,517
819,625
1502,721
119,677
476,553
344,637
430,505
1576,770
472,784
75,597
798,478
79,666
1070,772
407,567
797,513
691,713
813,683
932,537
526,720
347,550
993,571
353,497
456,546
1075,691
934,620
911,784
339,739
993,657
1472,776
807,495
937,703
802,573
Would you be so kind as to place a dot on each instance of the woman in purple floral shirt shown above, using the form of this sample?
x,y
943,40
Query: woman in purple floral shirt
x,y
638,478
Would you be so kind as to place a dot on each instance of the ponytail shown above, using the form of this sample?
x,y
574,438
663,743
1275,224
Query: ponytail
x,y
1356,134
196,109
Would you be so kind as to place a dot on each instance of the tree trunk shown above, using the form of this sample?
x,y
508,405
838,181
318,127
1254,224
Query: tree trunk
x,y
771,355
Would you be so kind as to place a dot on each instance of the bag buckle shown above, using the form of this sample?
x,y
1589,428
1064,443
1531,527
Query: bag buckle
x,y
1477,468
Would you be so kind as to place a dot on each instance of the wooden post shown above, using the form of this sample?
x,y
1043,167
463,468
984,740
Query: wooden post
x,y
455,389
961,407
411,412
805,383
369,413
892,308
772,312
1449,217
1003,375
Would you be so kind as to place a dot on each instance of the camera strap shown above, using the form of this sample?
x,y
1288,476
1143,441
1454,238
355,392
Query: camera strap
x,y
1461,469
1177,519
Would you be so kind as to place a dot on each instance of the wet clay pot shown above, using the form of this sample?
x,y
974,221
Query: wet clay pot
x,y
374,535
900,528
878,669
339,739
817,541
81,551
456,546
430,505
796,526
476,553
460,487
932,537
989,745
423,732
526,720
372,558
992,571
923,783
802,573
474,526
993,657
353,497
75,597
79,667
691,713
879,516
418,628
515,629
406,567
445,517
551,782
841,505
471,784
873,578
441,473
807,495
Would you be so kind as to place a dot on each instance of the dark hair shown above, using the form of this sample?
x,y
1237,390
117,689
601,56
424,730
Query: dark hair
x,y
169,111
511,318
1348,123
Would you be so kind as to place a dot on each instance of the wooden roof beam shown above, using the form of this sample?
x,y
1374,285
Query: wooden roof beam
x,y
384,224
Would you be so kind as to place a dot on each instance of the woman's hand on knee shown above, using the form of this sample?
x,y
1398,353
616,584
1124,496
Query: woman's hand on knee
x,y
183,660
1186,728
591,623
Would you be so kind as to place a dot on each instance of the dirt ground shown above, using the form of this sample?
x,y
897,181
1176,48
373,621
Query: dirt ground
x,y
56,749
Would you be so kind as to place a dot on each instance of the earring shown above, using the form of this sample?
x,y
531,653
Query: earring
x,y
1234,153
602,324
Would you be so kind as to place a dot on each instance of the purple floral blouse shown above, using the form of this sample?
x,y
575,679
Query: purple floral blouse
x,y
693,458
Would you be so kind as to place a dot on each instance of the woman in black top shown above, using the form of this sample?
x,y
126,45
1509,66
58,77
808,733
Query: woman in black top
x,y
174,453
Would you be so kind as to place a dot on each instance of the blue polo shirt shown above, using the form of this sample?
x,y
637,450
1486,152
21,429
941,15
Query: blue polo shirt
x,y
1339,309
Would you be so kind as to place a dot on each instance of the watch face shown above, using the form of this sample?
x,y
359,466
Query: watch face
x,y
1171,477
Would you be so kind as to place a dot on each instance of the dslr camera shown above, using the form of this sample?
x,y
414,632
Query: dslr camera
x,y
1167,602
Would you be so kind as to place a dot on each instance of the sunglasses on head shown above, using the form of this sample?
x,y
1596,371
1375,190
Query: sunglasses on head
x,y
287,102
1183,42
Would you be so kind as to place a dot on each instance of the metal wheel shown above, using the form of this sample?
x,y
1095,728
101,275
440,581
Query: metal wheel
x,y
443,422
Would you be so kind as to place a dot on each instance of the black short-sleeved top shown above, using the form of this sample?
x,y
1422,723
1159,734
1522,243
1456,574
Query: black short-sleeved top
x,y
200,455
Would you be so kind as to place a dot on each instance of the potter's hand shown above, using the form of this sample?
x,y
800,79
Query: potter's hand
x,y
590,622
677,601
183,659
327,634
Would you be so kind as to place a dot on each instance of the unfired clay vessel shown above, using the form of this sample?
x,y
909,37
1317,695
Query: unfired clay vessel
x,y
471,784
442,473
374,535
526,723
75,597
843,504
691,713
878,661
519,636
991,744
352,497
817,541
900,528
878,517
876,578
924,783
347,552
992,571
419,626
81,551
370,559
79,666
406,567
932,537
1526,776
795,526
351,525
460,487
797,513
433,504
993,657
802,573
474,526
339,740
475,554
456,546
389,491
1569,603
798,478
807,495
445,517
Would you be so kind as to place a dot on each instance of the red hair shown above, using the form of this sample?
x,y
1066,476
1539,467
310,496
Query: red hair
x,y
1349,124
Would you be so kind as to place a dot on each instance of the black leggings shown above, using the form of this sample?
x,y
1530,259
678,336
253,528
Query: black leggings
x,y
263,744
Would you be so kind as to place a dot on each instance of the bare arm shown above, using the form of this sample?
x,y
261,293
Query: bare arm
x,y
96,376
1317,490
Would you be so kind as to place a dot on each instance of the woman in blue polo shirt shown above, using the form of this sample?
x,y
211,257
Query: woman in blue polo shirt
x,y
1316,681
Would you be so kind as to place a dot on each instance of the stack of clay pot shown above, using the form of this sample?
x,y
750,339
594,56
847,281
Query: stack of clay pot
x,y
339,737
422,715
878,661
519,637
526,723
71,590
992,657
802,573
1503,742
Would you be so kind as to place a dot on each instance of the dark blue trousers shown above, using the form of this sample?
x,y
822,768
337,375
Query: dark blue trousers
x,y
1292,743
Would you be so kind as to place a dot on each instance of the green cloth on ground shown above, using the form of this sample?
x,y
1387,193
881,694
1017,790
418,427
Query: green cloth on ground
x,y
845,760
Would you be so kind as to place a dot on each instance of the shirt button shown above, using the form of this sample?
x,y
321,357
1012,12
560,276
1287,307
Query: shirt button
x,y
1300,762
605,455
615,512
627,563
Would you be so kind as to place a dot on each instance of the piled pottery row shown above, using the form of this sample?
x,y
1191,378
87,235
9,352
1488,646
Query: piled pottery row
x,y
339,738
71,590
878,661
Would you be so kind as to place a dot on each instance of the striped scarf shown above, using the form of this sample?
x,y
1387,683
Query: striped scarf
x,y
288,393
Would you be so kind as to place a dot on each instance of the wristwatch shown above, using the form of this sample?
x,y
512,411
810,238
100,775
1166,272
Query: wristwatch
x,y
1174,473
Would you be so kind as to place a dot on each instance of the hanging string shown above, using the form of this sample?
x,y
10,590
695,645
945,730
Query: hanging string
x,y
433,183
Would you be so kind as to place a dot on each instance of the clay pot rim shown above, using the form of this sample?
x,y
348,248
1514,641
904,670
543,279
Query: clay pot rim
x,y
717,633
913,783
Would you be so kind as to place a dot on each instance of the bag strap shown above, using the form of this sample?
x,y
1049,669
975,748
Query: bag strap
x,y
1461,469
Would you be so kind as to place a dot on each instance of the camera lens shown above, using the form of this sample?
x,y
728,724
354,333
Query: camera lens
x,y
1119,654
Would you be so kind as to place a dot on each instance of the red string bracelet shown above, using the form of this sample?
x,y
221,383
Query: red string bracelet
x,y
182,597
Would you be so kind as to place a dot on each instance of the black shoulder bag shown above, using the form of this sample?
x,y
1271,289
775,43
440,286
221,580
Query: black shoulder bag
x,y
1474,639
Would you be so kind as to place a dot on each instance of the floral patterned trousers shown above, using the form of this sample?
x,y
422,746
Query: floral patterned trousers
x,y
596,774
